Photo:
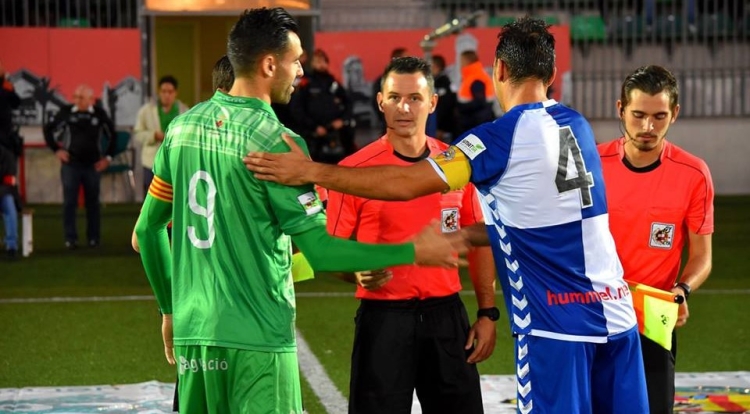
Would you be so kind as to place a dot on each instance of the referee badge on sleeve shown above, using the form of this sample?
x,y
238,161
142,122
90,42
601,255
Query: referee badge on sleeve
x,y
449,221
662,235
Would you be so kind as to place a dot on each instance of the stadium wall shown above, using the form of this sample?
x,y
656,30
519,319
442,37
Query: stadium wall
x,y
46,64
722,142
109,58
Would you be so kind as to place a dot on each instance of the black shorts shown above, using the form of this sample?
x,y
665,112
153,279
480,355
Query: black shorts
x,y
402,346
659,366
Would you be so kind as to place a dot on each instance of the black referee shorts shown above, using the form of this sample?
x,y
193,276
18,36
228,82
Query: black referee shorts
x,y
402,346
659,366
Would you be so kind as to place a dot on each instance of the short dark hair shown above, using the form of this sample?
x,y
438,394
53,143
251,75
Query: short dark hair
x,y
470,55
651,79
258,32
321,54
438,61
222,75
408,65
168,79
527,49
398,52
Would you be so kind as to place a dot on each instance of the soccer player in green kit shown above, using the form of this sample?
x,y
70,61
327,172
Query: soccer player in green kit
x,y
225,286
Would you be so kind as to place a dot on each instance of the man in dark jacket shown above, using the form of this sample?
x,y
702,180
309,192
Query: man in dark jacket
x,y
10,149
9,100
445,112
475,93
322,113
9,201
75,136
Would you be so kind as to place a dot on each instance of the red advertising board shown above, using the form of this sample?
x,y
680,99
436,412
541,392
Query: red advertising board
x,y
70,57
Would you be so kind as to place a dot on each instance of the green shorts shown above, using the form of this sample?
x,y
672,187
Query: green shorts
x,y
226,380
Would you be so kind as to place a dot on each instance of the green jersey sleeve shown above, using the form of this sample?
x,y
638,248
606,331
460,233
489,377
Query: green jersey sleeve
x,y
327,253
161,161
299,208
151,230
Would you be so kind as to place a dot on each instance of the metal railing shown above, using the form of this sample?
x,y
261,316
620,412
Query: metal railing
x,y
355,15
706,43
69,13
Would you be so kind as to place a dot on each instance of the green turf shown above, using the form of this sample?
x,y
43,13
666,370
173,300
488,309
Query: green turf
x,y
81,344
119,342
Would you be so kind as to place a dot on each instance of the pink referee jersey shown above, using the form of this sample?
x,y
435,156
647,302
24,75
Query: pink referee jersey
x,y
377,221
652,209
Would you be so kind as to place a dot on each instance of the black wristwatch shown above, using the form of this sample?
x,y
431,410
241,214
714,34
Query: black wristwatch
x,y
685,288
492,313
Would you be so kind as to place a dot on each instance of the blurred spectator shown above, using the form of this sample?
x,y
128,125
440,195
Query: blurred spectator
x,y
446,106
322,113
9,201
75,135
734,8
283,110
475,95
376,86
625,8
9,100
152,121
11,147
222,76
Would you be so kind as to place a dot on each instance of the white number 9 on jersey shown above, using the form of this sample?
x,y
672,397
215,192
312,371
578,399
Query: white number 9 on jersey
x,y
206,211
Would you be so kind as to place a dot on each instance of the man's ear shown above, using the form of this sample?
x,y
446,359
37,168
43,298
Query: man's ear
x,y
554,75
675,112
498,70
268,65
380,101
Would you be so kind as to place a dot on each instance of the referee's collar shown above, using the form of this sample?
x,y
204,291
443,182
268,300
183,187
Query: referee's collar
x,y
243,101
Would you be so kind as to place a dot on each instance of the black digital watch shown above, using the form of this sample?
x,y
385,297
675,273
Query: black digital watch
x,y
492,313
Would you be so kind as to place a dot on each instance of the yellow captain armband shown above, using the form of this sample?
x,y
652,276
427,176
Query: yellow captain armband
x,y
455,167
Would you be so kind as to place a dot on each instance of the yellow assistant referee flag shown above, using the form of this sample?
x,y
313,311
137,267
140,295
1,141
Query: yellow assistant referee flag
x,y
301,269
656,311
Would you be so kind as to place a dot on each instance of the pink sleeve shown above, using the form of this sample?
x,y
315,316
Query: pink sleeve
x,y
471,210
342,213
700,216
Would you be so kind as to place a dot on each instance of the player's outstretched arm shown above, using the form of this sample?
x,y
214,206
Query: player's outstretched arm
x,y
476,234
381,182
329,254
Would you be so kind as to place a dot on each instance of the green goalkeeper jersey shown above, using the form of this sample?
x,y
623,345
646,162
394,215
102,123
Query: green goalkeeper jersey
x,y
231,280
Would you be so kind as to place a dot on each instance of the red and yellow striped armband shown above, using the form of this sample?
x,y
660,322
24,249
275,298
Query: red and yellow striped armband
x,y
160,190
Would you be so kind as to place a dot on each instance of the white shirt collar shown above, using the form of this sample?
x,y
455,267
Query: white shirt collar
x,y
90,109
